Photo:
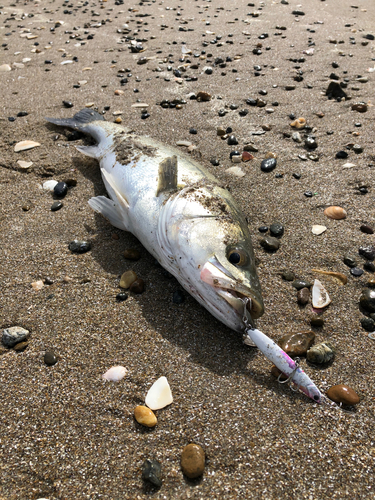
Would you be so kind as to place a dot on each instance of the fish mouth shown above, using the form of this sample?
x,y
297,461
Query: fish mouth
x,y
240,297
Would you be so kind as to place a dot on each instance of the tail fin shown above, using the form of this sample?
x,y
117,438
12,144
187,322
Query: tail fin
x,y
79,120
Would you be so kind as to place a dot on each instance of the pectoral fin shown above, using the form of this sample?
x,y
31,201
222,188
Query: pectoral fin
x,y
110,210
167,180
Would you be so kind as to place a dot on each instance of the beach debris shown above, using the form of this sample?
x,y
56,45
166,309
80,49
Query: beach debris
x,y
193,460
367,300
79,246
151,472
317,230
5,68
299,123
236,171
270,243
342,278
349,165
303,296
60,189
321,353
276,229
50,358
364,228
299,284
115,373
268,165
21,346
296,344
13,335
335,212
25,165
159,395
127,279
56,205
25,145
371,335
368,324
343,394
360,107
145,416
320,297
138,286
49,185
368,252
37,285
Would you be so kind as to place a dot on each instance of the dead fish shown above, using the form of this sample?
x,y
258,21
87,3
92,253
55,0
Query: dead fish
x,y
179,212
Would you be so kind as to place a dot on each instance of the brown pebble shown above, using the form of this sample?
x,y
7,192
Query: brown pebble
x,y
361,108
192,460
118,120
297,344
317,321
145,416
270,155
127,279
132,254
275,372
203,96
366,229
138,286
303,296
21,346
220,131
343,394
246,156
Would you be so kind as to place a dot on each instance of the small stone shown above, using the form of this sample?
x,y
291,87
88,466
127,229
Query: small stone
x,y
369,266
368,324
349,261
37,285
343,394
296,136
321,353
151,471
317,321
25,165
203,96
127,279
121,297
50,358
21,346
246,156
145,416
277,229
288,276
366,301
303,296
299,123
220,131
251,147
25,145
299,284
56,206
138,286
356,271
193,460
232,141
368,252
68,104
13,335
310,143
60,189
78,246
132,254
268,165
360,107
5,68
296,344
357,148
335,91
341,154
235,171
270,243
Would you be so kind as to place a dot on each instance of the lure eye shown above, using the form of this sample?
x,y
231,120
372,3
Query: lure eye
x,y
237,257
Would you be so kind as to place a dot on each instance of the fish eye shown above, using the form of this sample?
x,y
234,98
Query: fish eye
x,y
237,256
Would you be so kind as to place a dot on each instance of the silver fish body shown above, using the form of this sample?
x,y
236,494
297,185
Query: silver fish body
x,y
179,212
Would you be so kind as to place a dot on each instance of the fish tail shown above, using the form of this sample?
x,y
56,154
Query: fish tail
x,y
79,120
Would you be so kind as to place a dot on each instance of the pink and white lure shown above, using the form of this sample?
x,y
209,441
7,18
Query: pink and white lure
x,y
284,363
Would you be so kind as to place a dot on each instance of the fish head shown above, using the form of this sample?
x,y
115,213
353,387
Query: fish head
x,y
213,257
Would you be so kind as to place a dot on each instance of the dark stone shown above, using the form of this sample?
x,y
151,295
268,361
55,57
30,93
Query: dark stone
x,y
132,254
60,189
251,102
297,344
366,229
56,206
368,324
263,229
341,154
317,321
193,131
360,107
333,76
308,194
335,65
151,471
68,104
303,296
334,91
310,143
268,165
234,153
367,300
270,243
120,297
298,13
138,286
232,141
297,176
349,261
50,358
288,276
215,162
276,229
22,113
355,271
178,297
78,246
367,252
299,284
369,267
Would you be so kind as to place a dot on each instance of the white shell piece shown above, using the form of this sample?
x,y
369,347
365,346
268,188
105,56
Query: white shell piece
x,y
37,285
235,171
49,185
115,373
159,395
24,145
349,165
4,68
320,297
318,229
24,164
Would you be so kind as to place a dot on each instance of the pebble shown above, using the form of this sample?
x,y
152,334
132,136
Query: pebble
x,y
288,276
349,261
56,206
360,107
299,284
368,252
237,171
37,285
369,266
60,189
356,271
21,346
151,471
367,300
159,395
317,321
303,296
343,394
268,165
277,229
232,141
13,335
251,147
310,143
132,254
78,246
138,286
296,344
121,297
193,460
341,154
145,416
203,96
25,145
321,353
68,104
4,68
335,212
246,156
115,373
127,279
335,91
50,358
368,324
270,243
296,136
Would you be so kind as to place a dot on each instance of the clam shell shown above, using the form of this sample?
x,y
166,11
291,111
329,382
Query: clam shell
x,y
115,373
318,229
320,297
321,353
336,213
159,395
24,145
24,164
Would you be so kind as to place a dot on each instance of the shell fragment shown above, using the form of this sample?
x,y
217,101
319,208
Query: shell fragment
x,y
24,145
320,297
159,395
115,373
318,229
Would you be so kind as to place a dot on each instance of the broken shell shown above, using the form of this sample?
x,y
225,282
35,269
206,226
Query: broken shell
x,y
24,164
159,395
49,185
24,145
37,285
318,229
299,123
339,276
321,353
320,297
115,373
336,213
237,171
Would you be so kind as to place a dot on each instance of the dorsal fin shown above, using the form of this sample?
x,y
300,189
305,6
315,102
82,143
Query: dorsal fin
x,y
167,175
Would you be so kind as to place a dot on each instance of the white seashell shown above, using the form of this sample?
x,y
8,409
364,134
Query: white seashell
x,y
115,373
183,143
349,165
159,395
236,159
24,145
49,185
4,68
320,297
24,164
37,285
318,229
235,171
68,61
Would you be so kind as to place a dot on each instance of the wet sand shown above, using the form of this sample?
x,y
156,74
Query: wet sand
x,y
65,432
